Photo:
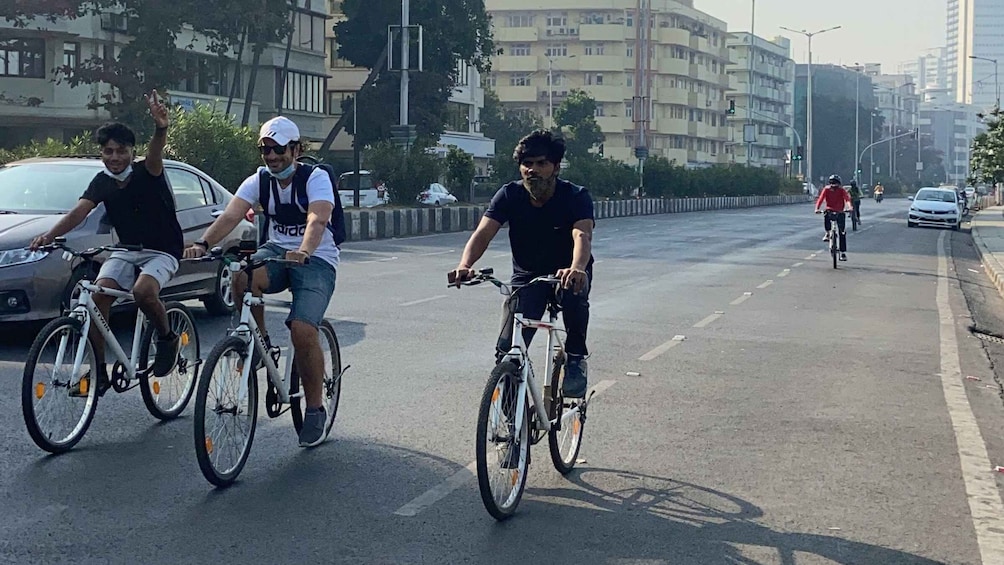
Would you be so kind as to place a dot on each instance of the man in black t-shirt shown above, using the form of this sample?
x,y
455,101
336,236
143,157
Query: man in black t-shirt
x,y
550,233
141,208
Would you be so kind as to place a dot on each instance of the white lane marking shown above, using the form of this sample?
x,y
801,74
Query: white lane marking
x,y
741,299
810,257
799,264
435,253
423,300
677,340
708,320
384,260
765,284
604,239
981,487
626,255
461,477
784,273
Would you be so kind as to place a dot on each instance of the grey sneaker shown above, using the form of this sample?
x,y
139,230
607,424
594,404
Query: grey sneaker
x,y
314,422
574,385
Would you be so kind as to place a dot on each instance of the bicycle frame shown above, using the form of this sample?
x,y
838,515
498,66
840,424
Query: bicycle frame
x,y
518,353
87,312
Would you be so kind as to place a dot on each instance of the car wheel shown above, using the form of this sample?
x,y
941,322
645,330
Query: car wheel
x,y
438,203
910,224
221,301
88,271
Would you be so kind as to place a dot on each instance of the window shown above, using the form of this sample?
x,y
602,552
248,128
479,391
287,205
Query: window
x,y
308,32
630,50
187,188
334,61
629,18
556,79
628,110
22,58
520,20
519,79
630,80
458,117
335,99
208,75
463,74
595,49
302,92
599,112
557,50
557,21
71,54
519,50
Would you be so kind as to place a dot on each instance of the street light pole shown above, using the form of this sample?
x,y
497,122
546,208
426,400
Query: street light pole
x,y
808,107
997,84
550,92
749,114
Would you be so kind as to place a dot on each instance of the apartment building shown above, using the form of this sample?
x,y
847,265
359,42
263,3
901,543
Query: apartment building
x,y
950,128
974,29
770,79
656,68
34,104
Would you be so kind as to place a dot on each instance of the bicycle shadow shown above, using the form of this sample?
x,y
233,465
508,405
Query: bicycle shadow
x,y
646,518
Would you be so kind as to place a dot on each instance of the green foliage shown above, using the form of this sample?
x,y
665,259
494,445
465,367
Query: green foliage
x,y
604,177
152,59
204,138
460,171
987,161
207,138
406,175
506,126
362,38
576,121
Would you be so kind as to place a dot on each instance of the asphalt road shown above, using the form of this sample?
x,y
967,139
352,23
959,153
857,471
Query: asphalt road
x,y
807,416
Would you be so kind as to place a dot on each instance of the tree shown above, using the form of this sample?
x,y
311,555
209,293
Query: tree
x,y
506,126
152,58
460,171
406,174
987,161
362,40
576,120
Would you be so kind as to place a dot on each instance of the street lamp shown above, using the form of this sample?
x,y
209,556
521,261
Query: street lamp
x,y
808,107
550,88
997,84
749,114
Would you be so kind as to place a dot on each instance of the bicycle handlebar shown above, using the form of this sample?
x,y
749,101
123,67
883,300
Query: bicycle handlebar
x,y
60,244
487,275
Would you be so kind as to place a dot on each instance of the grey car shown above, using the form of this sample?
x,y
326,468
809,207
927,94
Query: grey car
x,y
35,193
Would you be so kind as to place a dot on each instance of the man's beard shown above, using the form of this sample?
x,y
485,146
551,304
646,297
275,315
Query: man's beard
x,y
540,188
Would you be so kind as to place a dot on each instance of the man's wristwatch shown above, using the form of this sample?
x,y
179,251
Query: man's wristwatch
x,y
202,243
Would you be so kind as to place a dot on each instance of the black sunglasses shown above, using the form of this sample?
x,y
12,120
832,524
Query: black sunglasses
x,y
277,149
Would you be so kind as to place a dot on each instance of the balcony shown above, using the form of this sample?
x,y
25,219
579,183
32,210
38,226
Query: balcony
x,y
605,63
517,93
677,67
609,93
669,95
614,125
673,36
516,34
604,32
671,126
516,64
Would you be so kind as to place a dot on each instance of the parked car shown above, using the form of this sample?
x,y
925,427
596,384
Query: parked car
x,y
935,207
436,195
35,193
371,193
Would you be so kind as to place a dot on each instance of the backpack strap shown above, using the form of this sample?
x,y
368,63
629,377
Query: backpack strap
x,y
264,182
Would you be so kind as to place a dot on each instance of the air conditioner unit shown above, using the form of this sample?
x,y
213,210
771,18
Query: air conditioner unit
x,y
550,32
573,31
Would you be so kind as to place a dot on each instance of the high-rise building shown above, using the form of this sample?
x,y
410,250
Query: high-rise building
x,y
773,89
974,30
929,70
949,128
656,68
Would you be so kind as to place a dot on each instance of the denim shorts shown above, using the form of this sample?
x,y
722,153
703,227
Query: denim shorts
x,y
311,285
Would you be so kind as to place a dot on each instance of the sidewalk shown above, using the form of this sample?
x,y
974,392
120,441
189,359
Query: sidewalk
x,y
988,235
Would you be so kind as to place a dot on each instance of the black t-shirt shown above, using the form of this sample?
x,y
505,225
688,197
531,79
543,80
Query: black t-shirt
x,y
541,238
142,212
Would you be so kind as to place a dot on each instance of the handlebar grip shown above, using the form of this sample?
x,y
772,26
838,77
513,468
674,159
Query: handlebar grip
x,y
129,247
487,271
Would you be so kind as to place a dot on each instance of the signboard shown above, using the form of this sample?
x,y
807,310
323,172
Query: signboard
x,y
749,133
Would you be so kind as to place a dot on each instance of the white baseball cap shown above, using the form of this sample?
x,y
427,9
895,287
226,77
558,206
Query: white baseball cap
x,y
280,129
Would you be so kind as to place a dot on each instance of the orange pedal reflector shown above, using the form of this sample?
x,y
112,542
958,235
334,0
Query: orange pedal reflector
x,y
39,390
209,445
84,385
156,387
495,395
515,477
576,426
184,338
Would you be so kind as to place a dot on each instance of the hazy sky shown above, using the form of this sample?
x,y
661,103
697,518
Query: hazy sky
x,y
874,31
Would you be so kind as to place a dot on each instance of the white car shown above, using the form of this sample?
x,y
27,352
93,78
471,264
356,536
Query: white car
x,y
436,195
935,207
371,194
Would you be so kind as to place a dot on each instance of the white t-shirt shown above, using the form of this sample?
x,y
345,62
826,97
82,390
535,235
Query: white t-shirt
x,y
318,189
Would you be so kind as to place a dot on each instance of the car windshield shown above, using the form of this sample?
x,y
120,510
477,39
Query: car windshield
x,y
43,188
937,196
347,181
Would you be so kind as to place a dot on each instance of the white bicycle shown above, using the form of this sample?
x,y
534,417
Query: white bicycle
x,y
516,413
226,402
58,392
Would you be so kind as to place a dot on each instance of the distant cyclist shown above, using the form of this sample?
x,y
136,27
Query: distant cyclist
x,y
837,201
855,192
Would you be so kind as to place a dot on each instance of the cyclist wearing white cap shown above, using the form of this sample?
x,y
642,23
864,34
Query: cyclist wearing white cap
x,y
298,201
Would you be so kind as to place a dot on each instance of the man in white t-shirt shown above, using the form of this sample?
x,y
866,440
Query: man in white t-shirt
x,y
298,229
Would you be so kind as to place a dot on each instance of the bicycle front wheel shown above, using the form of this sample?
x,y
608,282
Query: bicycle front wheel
x,y
565,437
332,383
503,456
166,397
55,419
224,419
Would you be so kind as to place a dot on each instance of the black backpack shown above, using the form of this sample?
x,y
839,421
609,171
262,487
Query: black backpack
x,y
336,225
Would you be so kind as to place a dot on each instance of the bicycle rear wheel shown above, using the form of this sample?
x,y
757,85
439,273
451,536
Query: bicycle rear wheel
x,y
565,437
332,391
502,458
166,397
55,420
224,422
834,245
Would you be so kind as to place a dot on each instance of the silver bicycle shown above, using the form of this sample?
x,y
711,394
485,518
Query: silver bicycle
x,y
226,402
516,413
59,392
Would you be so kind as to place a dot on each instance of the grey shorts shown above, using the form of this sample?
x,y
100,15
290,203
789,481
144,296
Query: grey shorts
x,y
121,267
311,285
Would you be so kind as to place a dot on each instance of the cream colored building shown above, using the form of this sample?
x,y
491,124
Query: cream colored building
x,y
592,45
773,89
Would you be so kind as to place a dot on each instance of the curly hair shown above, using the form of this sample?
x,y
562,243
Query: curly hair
x,y
540,143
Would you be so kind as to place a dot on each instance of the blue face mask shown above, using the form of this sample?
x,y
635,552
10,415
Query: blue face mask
x,y
284,174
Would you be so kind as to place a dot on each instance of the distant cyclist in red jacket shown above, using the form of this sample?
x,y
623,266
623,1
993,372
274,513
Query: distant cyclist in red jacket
x,y
838,201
